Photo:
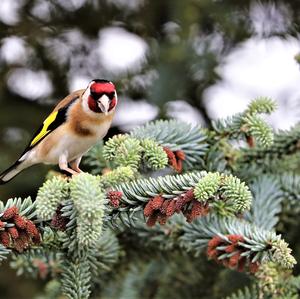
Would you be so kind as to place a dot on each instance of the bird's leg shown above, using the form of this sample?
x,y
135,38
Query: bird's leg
x,y
75,164
63,164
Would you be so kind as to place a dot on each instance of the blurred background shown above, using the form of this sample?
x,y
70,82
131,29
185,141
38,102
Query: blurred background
x,y
194,60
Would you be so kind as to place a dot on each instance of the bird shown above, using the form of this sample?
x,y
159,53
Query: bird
x,y
77,123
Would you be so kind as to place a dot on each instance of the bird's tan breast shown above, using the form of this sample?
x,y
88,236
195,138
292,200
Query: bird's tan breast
x,y
85,125
64,141
75,137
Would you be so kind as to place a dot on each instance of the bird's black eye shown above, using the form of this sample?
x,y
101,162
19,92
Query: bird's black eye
x,y
111,95
96,95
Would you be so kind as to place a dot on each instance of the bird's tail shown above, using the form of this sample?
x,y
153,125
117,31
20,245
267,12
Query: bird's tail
x,y
12,171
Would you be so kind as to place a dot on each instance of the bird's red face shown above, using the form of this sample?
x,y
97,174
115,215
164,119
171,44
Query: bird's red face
x,y
102,96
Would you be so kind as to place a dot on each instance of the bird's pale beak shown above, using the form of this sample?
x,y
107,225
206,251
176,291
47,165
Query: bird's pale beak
x,y
103,103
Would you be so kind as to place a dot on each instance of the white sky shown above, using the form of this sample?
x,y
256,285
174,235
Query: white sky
x,y
120,50
13,50
258,67
9,11
29,84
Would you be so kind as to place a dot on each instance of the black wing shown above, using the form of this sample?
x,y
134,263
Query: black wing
x,y
53,121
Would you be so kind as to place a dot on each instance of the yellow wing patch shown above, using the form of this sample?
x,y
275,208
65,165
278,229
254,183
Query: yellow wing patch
x,y
44,131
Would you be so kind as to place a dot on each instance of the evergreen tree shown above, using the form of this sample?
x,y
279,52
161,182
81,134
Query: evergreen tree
x,y
165,204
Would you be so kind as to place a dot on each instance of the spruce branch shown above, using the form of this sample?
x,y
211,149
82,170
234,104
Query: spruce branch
x,y
68,231
123,151
25,207
17,229
207,186
229,127
248,125
86,250
139,191
52,238
267,200
76,278
50,195
285,144
237,193
95,160
259,130
219,157
164,238
81,212
69,239
121,174
160,198
89,204
254,244
104,255
261,105
37,262
272,282
290,185
281,254
154,154
177,136
234,195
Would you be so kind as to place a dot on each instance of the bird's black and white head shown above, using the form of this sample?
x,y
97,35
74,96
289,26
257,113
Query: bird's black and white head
x,y
100,96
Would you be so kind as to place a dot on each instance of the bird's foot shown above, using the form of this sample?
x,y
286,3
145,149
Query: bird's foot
x,y
69,171
77,169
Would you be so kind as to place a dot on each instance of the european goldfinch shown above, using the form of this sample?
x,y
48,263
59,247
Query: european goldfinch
x,y
73,127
